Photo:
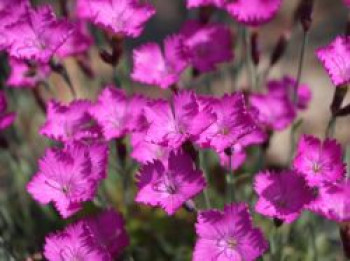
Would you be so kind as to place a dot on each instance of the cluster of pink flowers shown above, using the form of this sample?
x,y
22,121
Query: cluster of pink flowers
x,y
166,134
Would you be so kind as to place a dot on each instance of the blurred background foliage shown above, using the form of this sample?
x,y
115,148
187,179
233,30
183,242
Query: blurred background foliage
x,y
155,236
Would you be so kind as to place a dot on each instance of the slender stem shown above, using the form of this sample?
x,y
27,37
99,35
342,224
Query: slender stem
x,y
206,189
251,69
330,127
313,243
300,66
230,193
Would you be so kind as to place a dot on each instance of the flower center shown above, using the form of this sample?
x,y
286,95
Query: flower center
x,y
225,131
316,167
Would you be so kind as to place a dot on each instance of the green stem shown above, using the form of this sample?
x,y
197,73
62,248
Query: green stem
x,y
206,189
230,193
330,127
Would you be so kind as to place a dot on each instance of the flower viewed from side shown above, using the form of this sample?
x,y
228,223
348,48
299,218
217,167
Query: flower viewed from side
x,y
66,178
38,34
274,112
333,201
335,58
233,122
200,3
169,187
24,75
122,17
70,122
173,124
167,65
228,235
282,195
253,12
102,237
6,118
319,161
207,45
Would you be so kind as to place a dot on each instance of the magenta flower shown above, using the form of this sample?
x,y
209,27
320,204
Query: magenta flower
x,y
346,2
108,233
78,43
319,161
274,112
110,112
207,45
333,201
38,34
145,152
282,195
74,243
335,58
10,12
172,125
285,89
253,12
96,238
66,178
124,17
169,187
228,235
166,66
25,76
70,122
233,122
6,118
199,3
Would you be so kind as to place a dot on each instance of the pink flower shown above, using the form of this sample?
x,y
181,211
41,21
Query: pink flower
x,y
233,122
335,58
78,43
102,237
319,161
274,112
228,235
125,17
172,125
108,233
25,76
199,3
281,195
346,2
10,12
70,122
169,187
166,66
253,12
66,178
110,112
285,89
145,152
207,45
74,243
38,34
6,118
333,201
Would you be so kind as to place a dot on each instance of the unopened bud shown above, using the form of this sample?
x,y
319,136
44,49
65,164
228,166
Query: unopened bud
x,y
304,14
280,48
255,52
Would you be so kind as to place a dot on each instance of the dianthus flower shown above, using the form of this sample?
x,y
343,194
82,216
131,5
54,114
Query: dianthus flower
x,y
282,195
68,177
123,17
173,124
6,118
23,75
233,122
70,122
228,235
166,66
169,187
333,201
335,59
253,12
319,161
207,45
95,238
38,34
